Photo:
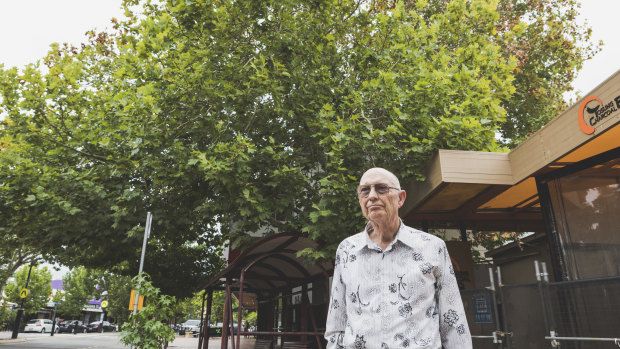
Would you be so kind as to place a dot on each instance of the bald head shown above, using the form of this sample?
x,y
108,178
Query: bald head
x,y
378,171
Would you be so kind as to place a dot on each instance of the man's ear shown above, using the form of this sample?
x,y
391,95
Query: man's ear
x,y
402,195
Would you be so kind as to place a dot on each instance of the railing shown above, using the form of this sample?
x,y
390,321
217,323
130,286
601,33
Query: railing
x,y
582,314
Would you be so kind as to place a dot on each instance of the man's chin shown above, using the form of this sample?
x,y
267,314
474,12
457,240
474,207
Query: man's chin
x,y
376,216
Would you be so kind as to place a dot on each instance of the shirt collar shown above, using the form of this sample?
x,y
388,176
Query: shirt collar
x,y
404,235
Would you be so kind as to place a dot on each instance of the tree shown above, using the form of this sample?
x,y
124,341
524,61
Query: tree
x,y
79,212
18,174
148,328
550,46
550,51
40,287
119,291
78,288
224,118
190,307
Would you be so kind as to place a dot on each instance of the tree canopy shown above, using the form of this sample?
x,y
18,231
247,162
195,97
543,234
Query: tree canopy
x,y
229,117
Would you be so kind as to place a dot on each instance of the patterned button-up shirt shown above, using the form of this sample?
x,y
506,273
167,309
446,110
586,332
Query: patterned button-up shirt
x,y
405,296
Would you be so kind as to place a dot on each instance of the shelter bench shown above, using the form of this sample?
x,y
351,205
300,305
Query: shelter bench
x,y
263,344
295,345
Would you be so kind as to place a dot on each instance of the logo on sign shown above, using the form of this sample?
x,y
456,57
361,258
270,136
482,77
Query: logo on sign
x,y
591,115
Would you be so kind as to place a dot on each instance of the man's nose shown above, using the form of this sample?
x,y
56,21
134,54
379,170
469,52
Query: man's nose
x,y
373,192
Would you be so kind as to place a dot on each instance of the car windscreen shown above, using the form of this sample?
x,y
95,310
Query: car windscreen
x,y
192,322
33,321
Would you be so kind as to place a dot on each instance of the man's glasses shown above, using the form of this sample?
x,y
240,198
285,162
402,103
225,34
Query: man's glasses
x,y
380,188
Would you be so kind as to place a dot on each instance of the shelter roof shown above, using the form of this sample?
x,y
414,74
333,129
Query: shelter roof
x,y
271,264
498,191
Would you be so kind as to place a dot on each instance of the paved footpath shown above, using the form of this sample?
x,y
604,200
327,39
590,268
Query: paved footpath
x,y
180,342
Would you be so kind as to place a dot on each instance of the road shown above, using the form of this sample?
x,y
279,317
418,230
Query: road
x,y
94,341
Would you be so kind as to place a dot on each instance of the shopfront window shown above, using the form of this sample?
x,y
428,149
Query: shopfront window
x,y
586,206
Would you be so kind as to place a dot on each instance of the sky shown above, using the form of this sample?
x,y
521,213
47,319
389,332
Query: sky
x,y
28,27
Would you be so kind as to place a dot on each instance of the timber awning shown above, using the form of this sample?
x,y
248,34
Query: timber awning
x,y
498,191
271,264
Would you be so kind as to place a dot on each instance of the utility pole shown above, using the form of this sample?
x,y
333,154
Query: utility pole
x,y
20,311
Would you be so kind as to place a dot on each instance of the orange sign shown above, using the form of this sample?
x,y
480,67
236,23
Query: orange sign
x,y
132,300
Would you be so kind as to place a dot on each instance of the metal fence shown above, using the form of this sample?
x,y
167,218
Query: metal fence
x,y
582,314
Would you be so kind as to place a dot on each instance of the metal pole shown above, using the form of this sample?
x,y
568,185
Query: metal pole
x,y
147,232
240,308
545,277
20,311
54,319
500,286
202,320
542,297
492,288
205,344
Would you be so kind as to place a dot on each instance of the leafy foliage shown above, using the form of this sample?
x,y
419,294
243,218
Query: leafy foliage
x,y
148,328
40,287
224,118
550,47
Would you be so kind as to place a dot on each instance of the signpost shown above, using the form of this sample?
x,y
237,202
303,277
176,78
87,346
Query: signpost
x,y
147,232
20,311
56,304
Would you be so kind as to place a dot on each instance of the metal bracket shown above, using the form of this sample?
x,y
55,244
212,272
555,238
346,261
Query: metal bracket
x,y
554,342
617,341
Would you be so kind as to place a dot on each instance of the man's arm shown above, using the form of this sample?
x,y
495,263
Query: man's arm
x,y
336,315
453,326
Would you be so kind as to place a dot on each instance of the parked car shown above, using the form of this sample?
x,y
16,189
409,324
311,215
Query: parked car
x,y
101,326
191,325
72,326
39,325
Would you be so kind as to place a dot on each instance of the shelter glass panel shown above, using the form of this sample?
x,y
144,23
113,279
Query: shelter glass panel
x,y
586,206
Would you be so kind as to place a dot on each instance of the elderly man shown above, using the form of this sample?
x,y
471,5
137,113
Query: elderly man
x,y
393,286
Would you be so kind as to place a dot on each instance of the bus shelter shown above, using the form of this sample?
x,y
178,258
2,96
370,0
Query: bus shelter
x,y
290,296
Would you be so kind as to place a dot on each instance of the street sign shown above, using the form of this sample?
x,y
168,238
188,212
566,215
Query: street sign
x,y
104,304
132,299
24,293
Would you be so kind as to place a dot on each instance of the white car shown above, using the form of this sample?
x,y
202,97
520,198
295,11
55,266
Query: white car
x,y
39,325
191,325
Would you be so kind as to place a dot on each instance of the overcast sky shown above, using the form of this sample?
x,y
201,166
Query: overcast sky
x,y
28,27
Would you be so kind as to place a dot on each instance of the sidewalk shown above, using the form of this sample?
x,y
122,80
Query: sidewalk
x,y
214,343
5,337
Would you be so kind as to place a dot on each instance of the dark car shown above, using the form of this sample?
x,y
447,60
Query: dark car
x,y
101,326
72,326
